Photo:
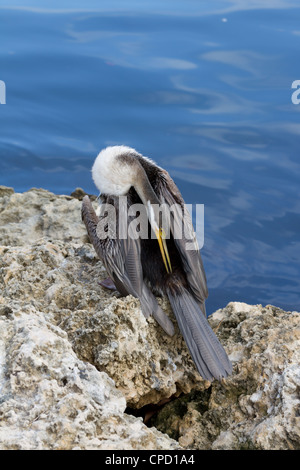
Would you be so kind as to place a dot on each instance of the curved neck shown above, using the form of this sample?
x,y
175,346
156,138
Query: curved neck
x,y
144,189
151,202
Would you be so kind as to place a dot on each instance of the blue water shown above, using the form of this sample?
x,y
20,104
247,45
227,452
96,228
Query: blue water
x,y
202,87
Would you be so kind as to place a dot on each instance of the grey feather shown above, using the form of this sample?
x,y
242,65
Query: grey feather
x,y
206,350
122,260
191,259
149,304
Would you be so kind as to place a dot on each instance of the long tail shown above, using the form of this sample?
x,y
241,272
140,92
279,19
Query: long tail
x,y
150,306
207,352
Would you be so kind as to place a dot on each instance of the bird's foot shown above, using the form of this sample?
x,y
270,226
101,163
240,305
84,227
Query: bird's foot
x,y
108,284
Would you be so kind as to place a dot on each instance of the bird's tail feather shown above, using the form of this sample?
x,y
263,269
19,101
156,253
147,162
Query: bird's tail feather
x,y
150,306
207,352
163,320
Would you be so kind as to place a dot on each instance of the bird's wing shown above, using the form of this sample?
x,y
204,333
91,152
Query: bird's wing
x,y
184,237
122,260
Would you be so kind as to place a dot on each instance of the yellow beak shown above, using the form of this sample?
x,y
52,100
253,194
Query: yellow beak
x,y
161,237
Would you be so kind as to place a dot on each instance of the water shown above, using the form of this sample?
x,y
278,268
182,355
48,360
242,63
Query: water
x,y
204,88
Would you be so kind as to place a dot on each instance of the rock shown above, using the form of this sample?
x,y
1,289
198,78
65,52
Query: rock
x,y
62,281
74,356
258,407
60,276
52,400
54,317
6,191
37,213
79,194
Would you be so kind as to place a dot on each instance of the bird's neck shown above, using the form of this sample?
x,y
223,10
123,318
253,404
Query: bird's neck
x,y
144,189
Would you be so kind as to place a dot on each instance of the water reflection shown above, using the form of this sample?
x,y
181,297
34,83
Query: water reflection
x,y
201,87
213,102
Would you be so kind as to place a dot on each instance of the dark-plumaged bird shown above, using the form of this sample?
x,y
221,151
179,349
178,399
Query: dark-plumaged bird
x,y
145,266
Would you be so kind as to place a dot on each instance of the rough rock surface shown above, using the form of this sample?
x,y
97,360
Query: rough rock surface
x,y
73,355
52,267
27,217
54,317
52,400
259,405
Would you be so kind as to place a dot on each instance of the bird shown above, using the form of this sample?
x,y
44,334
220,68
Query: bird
x,y
160,265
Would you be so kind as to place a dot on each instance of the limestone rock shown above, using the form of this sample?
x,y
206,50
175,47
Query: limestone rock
x,y
52,400
61,280
51,267
55,321
258,407
73,355
27,217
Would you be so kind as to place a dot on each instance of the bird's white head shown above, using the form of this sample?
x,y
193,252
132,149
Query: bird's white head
x,y
114,176
115,171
